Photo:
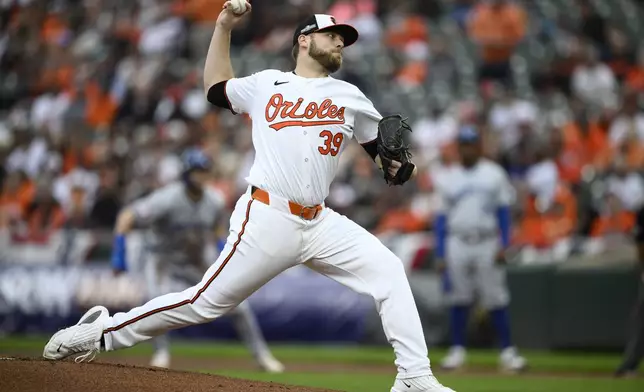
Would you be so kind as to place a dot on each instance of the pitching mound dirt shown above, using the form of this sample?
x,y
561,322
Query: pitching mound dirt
x,y
36,375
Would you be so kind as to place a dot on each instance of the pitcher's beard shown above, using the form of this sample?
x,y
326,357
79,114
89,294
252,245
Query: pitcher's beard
x,y
327,60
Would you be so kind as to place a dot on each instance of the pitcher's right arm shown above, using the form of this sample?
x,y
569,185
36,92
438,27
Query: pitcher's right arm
x,y
218,68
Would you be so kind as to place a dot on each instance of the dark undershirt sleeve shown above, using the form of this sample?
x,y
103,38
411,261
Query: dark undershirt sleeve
x,y
371,148
217,96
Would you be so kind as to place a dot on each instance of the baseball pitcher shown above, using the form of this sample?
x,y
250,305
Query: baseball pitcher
x,y
180,246
475,197
302,122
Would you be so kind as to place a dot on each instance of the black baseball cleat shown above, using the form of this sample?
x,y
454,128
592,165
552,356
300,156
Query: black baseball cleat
x,y
625,372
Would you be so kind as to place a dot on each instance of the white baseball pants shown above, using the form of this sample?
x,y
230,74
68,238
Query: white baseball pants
x,y
471,270
265,240
160,282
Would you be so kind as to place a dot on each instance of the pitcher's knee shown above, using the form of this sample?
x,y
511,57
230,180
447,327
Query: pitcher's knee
x,y
392,278
207,310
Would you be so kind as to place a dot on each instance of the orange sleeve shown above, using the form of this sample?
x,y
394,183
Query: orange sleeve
x,y
475,24
570,213
635,156
59,219
35,224
598,227
400,220
519,23
635,79
566,223
26,195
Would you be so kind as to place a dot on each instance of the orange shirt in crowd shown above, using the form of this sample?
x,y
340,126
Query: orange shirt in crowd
x,y
620,222
413,73
72,159
544,229
580,149
497,30
14,204
412,29
401,220
199,10
53,29
101,107
61,77
635,79
633,152
42,225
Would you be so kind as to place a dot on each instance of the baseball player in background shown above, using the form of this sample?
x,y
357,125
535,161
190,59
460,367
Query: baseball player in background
x,y
181,245
302,121
475,198
634,352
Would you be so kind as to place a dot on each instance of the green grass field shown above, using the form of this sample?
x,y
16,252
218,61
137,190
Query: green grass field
x,y
360,369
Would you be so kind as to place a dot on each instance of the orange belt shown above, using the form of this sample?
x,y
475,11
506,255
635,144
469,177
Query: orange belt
x,y
307,213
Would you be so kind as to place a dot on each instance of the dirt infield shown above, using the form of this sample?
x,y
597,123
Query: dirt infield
x,y
213,364
36,375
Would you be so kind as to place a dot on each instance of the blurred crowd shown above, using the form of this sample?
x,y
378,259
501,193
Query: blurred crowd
x,y
99,97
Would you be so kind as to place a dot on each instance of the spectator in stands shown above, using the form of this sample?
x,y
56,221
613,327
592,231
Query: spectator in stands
x,y
627,185
76,190
549,213
628,127
356,192
442,65
44,215
593,26
434,133
77,207
105,209
593,82
512,121
584,143
570,153
362,15
616,216
622,55
635,76
407,34
401,218
460,12
497,26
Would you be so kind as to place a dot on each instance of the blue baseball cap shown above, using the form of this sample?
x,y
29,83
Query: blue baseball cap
x,y
195,159
468,134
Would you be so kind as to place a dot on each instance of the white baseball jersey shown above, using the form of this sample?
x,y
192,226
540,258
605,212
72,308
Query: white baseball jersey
x,y
300,127
470,197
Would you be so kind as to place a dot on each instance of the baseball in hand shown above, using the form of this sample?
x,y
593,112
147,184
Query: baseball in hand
x,y
238,7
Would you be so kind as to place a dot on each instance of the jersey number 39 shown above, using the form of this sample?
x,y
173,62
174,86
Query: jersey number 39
x,y
331,144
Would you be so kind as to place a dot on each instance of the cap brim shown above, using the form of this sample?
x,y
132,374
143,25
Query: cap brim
x,y
348,32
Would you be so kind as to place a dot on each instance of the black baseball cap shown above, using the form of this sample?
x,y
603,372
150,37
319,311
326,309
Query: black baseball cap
x,y
321,22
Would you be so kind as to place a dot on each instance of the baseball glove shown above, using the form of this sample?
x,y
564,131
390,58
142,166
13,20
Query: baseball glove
x,y
391,147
